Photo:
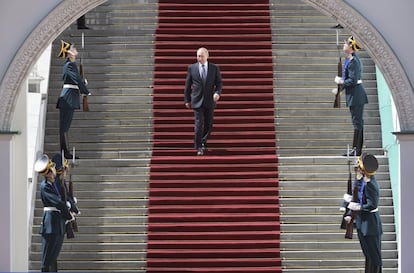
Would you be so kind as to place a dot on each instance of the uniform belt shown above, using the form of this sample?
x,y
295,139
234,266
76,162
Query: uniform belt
x,y
50,209
359,81
374,210
71,86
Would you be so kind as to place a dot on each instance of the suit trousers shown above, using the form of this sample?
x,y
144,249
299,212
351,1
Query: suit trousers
x,y
357,115
203,124
371,247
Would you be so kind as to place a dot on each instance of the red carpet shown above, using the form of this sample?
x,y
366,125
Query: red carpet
x,y
218,212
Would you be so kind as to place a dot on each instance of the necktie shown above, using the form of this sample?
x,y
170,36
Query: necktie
x,y
203,72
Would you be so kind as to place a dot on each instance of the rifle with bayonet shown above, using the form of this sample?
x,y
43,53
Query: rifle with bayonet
x,y
337,92
71,226
351,196
337,101
85,103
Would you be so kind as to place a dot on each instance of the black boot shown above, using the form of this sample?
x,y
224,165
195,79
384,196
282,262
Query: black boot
x,y
45,269
63,146
81,22
54,267
353,152
367,266
360,142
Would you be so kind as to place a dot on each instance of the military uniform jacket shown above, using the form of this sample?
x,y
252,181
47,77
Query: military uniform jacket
x,y
354,92
201,93
69,97
368,220
53,221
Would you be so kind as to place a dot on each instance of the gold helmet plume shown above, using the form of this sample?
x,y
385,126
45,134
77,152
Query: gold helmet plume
x,y
64,48
353,43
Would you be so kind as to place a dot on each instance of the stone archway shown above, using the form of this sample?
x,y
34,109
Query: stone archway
x,y
381,53
63,15
42,36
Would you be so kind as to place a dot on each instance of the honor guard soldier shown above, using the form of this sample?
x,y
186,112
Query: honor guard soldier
x,y
368,220
355,94
69,99
55,214
66,191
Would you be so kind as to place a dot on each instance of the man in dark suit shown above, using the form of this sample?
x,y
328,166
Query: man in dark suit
x,y
203,88
69,100
55,214
368,220
355,94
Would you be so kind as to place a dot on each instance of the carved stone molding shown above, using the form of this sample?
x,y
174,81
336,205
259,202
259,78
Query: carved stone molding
x,y
41,37
380,52
69,10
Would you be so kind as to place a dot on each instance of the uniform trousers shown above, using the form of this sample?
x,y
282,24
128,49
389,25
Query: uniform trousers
x,y
357,115
371,247
51,246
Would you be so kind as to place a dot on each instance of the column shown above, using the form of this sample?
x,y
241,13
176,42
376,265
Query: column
x,y
406,200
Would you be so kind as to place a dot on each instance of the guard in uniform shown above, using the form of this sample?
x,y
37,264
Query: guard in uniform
x,y
368,220
55,214
69,99
355,94
66,192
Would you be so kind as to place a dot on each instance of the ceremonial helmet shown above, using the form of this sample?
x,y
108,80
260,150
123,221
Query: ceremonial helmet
x,y
61,163
353,43
368,163
64,48
43,165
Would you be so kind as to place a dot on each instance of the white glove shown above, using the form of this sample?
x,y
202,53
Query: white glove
x,y
354,206
68,205
75,200
347,198
70,220
348,219
335,91
339,80
85,81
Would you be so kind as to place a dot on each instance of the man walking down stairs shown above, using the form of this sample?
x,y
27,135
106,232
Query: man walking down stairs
x,y
266,201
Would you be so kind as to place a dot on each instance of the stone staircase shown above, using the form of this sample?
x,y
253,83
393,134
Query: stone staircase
x,y
114,142
311,136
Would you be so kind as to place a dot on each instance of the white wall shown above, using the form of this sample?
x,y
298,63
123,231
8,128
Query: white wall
x,y
17,20
394,20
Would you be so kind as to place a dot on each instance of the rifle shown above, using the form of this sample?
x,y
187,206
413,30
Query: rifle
x,y
344,223
71,226
337,101
352,214
85,103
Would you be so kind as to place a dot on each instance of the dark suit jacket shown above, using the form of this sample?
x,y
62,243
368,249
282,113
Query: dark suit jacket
x,y
198,93
53,221
369,223
69,98
355,93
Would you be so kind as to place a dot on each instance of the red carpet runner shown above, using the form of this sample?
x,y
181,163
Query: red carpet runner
x,y
218,212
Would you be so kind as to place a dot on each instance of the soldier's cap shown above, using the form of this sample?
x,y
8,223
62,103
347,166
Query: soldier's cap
x,y
43,165
353,43
64,48
59,163
368,163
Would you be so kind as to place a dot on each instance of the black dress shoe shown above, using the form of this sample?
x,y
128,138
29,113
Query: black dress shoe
x,y
70,156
